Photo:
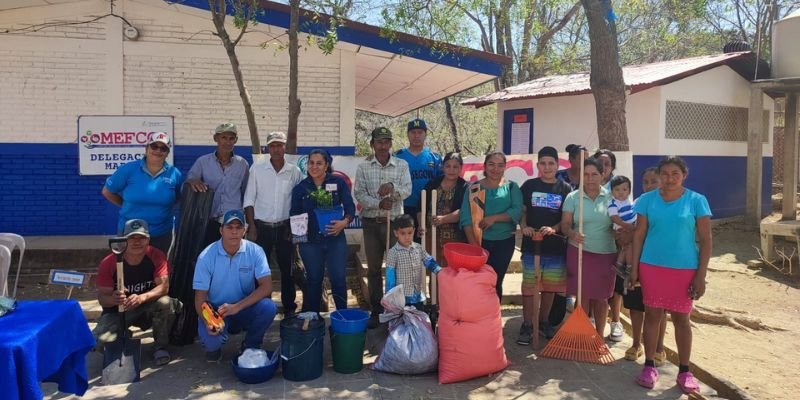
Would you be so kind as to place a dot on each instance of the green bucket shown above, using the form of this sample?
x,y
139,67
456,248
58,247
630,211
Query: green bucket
x,y
347,350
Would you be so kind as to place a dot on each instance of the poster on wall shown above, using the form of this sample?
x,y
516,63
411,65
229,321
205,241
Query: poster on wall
x,y
107,141
518,131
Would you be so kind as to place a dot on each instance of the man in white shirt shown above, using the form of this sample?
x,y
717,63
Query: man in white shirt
x,y
266,205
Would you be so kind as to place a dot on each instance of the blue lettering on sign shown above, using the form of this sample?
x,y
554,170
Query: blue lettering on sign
x,y
546,200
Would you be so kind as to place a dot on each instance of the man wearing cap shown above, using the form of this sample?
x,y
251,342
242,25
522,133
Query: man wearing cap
x,y
233,275
266,204
423,165
145,295
382,183
223,172
148,189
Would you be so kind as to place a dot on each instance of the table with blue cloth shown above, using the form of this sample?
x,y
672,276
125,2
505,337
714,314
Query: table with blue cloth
x,y
43,341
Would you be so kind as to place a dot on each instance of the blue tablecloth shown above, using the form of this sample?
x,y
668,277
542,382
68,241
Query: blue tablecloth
x,y
43,341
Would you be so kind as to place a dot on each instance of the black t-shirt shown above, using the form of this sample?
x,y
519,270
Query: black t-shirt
x,y
139,279
543,202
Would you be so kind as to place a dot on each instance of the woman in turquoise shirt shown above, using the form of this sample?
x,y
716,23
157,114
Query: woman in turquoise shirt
x,y
671,250
148,189
599,249
501,214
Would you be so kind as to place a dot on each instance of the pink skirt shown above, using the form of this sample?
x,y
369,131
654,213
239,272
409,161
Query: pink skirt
x,y
666,288
598,274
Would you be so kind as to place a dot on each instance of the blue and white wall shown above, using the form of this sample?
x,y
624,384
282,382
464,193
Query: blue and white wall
x,y
717,168
176,67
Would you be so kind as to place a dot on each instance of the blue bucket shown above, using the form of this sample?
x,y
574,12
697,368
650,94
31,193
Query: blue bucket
x,y
326,215
349,320
301,350
255,375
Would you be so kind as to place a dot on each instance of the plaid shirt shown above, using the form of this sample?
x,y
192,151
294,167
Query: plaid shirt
x,y
370,175
408,266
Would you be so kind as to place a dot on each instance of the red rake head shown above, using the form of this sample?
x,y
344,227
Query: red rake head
x,y
577,340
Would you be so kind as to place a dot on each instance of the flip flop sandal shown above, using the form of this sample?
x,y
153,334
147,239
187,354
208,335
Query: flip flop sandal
x,y
161,357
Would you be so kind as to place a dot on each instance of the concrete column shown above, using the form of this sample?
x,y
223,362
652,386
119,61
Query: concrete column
x,y
789,205
754,157
112,47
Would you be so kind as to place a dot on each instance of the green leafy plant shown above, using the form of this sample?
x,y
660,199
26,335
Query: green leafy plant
x,y
323,197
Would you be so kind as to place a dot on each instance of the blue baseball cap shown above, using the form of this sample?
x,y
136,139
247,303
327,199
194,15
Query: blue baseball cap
x,y
418,123
233,215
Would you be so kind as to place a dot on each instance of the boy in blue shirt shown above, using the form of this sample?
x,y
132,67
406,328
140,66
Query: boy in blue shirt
x,y
423,165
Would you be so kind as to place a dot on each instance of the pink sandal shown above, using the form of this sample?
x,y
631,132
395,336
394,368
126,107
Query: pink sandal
x,y
648,377
688,383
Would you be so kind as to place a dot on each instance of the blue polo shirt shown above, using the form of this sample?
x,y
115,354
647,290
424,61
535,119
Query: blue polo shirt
x,y
145,196
423,167
671,227
229,279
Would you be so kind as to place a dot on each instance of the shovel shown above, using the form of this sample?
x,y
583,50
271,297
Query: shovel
x,y
122,357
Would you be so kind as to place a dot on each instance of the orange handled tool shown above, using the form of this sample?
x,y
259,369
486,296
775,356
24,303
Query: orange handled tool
x,y
212,318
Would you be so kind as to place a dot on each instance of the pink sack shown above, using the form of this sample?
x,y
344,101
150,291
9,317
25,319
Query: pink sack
x,y
470,325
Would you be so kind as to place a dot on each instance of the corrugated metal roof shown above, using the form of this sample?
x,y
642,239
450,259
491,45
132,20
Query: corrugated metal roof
x,y
637,78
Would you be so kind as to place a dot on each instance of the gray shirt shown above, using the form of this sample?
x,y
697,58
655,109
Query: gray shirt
x,y
228,183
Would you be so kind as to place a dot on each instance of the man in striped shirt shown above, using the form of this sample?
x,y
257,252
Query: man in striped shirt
x,y
382,183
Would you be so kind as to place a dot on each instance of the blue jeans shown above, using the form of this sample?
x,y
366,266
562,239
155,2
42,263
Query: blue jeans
x,y
255,320
331,252
500,252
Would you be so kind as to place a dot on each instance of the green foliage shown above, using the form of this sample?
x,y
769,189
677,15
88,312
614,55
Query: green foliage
x,y
322,197
477,128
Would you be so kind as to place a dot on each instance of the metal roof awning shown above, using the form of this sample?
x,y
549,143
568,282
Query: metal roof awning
x,y
637,78
393,76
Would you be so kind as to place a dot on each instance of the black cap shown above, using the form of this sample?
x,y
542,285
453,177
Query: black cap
x,y
548,151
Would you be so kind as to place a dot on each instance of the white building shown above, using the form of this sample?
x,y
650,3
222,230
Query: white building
x,y
60,59
696,108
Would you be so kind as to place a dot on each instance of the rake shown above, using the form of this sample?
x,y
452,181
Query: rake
x,y
577,340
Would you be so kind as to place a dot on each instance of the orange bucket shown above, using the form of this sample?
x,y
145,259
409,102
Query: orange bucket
x,y
464,255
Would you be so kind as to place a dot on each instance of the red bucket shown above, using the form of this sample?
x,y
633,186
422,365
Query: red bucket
x,y
464,255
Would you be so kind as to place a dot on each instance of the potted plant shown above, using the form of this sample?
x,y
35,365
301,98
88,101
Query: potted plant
x,y
325,211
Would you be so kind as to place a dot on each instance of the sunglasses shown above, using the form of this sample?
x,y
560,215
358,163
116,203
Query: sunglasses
x,y
159,148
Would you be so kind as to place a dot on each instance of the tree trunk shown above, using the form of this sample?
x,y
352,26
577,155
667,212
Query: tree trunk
x,y
608,85
294,101
448,110
218,17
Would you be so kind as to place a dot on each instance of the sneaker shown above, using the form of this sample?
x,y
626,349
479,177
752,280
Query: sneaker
x,y
648,377
634,353
161,357
660,358
374,321
525,334
688,383
546,329
214,356
570,304
616,332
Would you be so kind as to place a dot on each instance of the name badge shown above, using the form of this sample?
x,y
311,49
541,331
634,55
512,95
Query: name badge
x,y
331,187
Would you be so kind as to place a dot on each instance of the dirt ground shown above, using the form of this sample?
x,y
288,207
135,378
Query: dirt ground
x,y
761,362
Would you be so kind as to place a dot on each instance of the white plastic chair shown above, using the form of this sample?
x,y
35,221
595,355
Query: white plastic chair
x,y
5,264
19,242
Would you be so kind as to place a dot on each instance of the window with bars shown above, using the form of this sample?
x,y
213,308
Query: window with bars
x,y
700,121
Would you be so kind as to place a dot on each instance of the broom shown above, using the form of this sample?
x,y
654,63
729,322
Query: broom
x,y
577,340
